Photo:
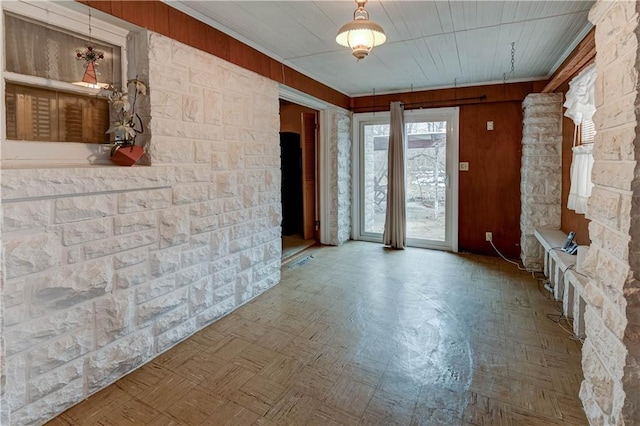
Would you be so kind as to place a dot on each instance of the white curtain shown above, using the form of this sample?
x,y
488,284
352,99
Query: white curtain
x,y
580,101
581,185
580,106
395,225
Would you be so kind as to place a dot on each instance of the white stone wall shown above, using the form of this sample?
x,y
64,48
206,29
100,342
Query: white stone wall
x,y
107,267
340,185
610,391
541,171
4,406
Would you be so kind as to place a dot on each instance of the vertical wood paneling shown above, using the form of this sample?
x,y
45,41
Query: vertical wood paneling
x,y
138,12
197,34
217,43
243,56
116,8
102,5
178,26
160,18
275,73
489,193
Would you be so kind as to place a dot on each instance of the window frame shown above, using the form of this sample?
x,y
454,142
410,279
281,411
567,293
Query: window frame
x,y
74,18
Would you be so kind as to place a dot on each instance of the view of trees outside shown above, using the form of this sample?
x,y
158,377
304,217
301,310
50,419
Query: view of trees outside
x,y
426,178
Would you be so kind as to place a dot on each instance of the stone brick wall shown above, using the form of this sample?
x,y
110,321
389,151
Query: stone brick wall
x,y
106,267
610,391
541,173
4,406
340,163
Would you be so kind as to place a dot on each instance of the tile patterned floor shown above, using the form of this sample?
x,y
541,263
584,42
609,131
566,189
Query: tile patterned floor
x,y
293,245
361,335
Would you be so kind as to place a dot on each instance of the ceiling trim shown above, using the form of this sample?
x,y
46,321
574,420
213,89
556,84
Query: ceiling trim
x,y
580,57
573,46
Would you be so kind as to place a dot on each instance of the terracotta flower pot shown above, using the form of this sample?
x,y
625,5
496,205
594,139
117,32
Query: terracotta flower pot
x,y
127,155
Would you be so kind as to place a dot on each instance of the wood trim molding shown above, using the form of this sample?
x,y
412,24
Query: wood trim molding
x,y
583,55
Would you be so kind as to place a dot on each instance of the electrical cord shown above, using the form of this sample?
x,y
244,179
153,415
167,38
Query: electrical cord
x,y
511,261
561,316
568,320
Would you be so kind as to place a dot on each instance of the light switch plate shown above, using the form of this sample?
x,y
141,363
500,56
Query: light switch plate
x,y
489,125
464,166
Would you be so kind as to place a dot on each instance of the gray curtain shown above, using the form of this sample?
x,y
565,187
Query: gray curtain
x,y
395,225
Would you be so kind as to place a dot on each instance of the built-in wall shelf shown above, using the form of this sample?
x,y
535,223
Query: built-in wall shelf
x,y
567,283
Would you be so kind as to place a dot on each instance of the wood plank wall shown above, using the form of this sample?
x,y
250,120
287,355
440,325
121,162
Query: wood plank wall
x,y
163,19
489,193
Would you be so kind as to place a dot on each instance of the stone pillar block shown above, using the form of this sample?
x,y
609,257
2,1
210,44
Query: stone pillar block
x,y
540,171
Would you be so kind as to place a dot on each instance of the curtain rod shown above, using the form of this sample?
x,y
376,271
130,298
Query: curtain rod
x,y
422,103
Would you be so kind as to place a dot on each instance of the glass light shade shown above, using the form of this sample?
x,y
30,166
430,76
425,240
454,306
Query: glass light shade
x,y
361,35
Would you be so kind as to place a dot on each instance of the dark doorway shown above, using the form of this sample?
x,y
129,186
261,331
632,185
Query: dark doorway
x,y
292,206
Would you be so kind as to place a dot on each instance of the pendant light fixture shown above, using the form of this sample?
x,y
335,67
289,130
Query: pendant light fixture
x,y
361,34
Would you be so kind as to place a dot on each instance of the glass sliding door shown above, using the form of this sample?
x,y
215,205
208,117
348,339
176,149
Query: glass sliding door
x,y
426,170
376,147
431,173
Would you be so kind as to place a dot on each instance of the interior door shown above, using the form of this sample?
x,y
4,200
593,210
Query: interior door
x,y
308,142
431,145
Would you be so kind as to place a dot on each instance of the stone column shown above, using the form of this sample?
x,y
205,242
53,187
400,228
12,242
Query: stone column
x,y
340,164
541,173
610,391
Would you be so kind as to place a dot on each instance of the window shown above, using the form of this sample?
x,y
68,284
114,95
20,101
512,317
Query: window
x,y
37,49
587,131
48,118
580,106
35,114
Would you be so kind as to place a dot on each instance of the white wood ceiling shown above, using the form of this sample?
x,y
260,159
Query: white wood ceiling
x,y
430,44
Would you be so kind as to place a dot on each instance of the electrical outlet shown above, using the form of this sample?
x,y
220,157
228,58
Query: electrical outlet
x,y
488,236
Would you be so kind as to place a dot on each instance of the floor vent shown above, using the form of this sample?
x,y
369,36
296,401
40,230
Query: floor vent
x,y
300,262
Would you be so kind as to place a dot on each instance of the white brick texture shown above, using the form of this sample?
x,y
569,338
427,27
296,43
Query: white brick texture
x,y
610,391
340,183
540,171
106,267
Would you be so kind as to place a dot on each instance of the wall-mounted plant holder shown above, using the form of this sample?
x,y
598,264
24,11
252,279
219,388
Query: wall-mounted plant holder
x,y
127,155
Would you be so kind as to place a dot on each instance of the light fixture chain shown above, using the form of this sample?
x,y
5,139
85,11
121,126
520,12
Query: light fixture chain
x,y
90,35
513,56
